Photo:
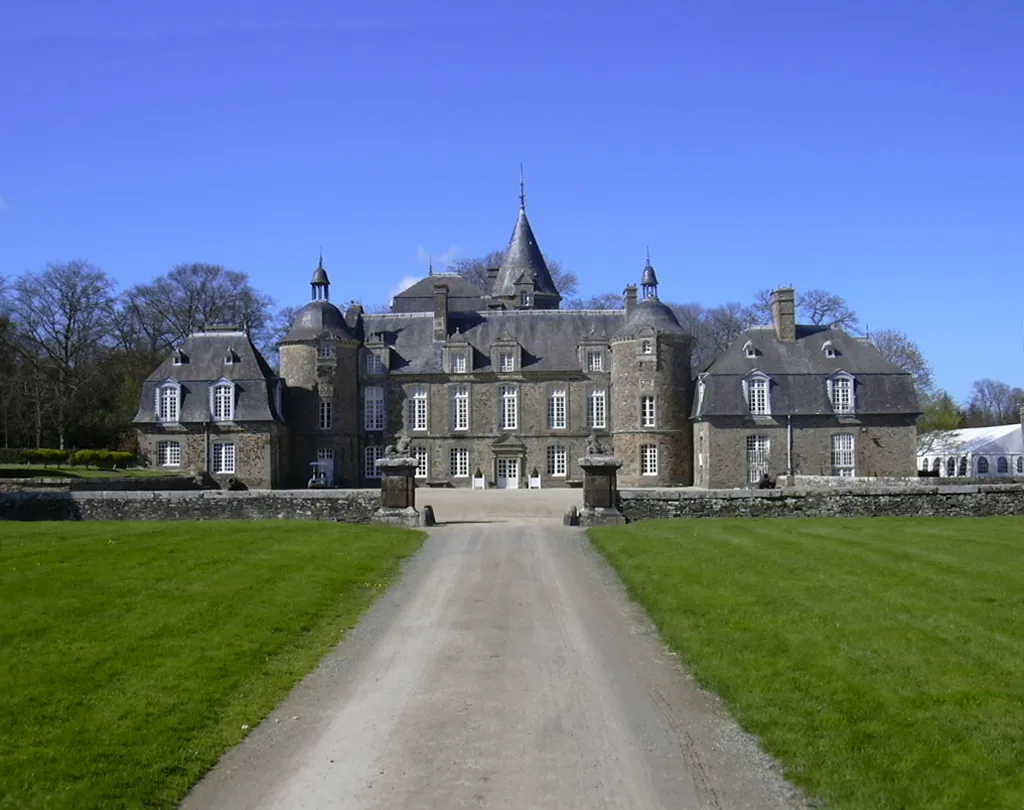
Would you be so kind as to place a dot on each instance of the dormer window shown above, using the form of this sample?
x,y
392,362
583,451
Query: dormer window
x,y
168,401
230,358
595,360
829,349
179,358
373,364
506,361
325,349
748,350
524,299
646,347
758,394
222,401
460,365
841,393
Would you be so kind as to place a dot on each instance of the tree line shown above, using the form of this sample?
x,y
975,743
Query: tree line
x,y
74,350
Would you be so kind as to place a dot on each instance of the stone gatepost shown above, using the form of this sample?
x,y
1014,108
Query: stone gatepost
x,y
600,488
397,491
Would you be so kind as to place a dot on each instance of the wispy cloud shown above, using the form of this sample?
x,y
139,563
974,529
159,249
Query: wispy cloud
x,y
404,284
440,260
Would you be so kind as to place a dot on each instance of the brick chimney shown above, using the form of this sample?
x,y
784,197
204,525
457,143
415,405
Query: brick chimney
x,y
440,312
784,314
629,296
492,274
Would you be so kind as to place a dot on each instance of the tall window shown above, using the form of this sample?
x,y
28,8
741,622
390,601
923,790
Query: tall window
x,y
842,394
326,414
373,364
459,364
757,388
223,457
963,466
459,462
595,360
324,349
370,456
557,460
223,402
1020,464
168,454
460,408
758,448
842,454
373,408
167,401
648,459
982,466
418,408
507,361
524,299
646,347
1002,465
596,411
556,408
422,467
950,467
647,412
509,405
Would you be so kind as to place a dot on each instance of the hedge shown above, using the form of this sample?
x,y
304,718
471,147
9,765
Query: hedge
x,y
104,459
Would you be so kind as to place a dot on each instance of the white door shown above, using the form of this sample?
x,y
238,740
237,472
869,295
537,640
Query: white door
x,y
508,473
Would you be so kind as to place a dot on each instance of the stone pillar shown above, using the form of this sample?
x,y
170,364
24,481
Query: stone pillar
x,y
600,491
397,492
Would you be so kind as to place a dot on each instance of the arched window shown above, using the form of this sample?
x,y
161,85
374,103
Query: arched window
x,y
936,465
1020,464
924,465
950,467
1002,465
982,466
963,466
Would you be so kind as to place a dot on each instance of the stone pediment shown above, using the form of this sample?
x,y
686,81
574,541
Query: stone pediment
x,y
509,442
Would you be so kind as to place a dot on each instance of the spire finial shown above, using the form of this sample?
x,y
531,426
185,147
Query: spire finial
x,y
320,266
522,189
648,255
430,265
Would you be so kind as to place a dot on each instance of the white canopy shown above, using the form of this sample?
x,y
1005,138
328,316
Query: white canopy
x,y
1005,440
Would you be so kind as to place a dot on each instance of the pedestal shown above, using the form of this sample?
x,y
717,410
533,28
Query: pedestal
x,y
397,492
600,491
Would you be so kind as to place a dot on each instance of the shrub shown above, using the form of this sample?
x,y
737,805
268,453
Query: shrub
x,y
85,457
44,456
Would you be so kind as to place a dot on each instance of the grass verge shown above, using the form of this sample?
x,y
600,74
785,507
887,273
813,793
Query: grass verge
x,y
134,653
56,471
881,660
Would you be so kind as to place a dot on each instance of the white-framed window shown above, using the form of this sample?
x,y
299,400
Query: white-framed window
x,y
373,408
950,467
458,459
459,363
748,349
325,454
168,454
506,361
842,454
841,393
422,461
828,348
222,402
597,412
373,364
223,457
558,458
963,465
230,358
1002,465
646,347
524,299
647,414
370,455
418,408
556,408
757,396
168,402
324,349
508,403
758,452
648,459
460,408
595,360
982,465
326,414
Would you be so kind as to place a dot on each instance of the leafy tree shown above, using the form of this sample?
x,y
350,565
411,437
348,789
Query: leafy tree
x,y
993,402
941,413
901,351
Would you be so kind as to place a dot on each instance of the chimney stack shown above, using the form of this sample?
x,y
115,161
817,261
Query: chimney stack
x,y
440,312
492,274
1022,413
629,294
784,314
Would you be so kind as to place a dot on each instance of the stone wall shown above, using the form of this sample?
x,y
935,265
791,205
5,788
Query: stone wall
x,y
127,484
349,506
923,501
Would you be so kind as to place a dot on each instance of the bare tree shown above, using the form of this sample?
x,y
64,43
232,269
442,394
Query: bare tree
x,y
63,315
901,351
993,402
823,308
475,271
602,301
713,329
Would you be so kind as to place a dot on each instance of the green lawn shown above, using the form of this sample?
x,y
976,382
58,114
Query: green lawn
x,y
132,654
881,660
66,471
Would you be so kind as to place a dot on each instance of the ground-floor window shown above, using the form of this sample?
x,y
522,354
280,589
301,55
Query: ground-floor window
x,y
1002,465
1020,464
758,448
168,454
223,458
648,459
557,460
842,454
982,466
459,462
422,468
325,454
370,456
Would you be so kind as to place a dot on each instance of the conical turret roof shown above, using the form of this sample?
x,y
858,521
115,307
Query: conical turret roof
x,y
523,260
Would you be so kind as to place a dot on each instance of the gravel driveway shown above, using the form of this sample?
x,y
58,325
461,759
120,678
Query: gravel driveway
x,y
507,669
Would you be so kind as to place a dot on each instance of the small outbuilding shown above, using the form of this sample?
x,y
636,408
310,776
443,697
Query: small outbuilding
x,y
981,452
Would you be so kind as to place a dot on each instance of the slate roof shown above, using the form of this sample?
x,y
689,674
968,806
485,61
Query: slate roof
x,y
549,337
463,295
204,365
523,259
650,314
798,372
316,319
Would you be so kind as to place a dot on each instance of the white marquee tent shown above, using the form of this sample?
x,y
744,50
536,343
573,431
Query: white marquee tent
x,y
973,452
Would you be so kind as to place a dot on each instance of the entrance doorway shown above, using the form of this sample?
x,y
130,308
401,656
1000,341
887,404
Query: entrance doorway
x,y
508,473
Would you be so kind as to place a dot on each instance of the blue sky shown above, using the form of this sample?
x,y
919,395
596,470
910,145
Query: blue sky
x,y
874,149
